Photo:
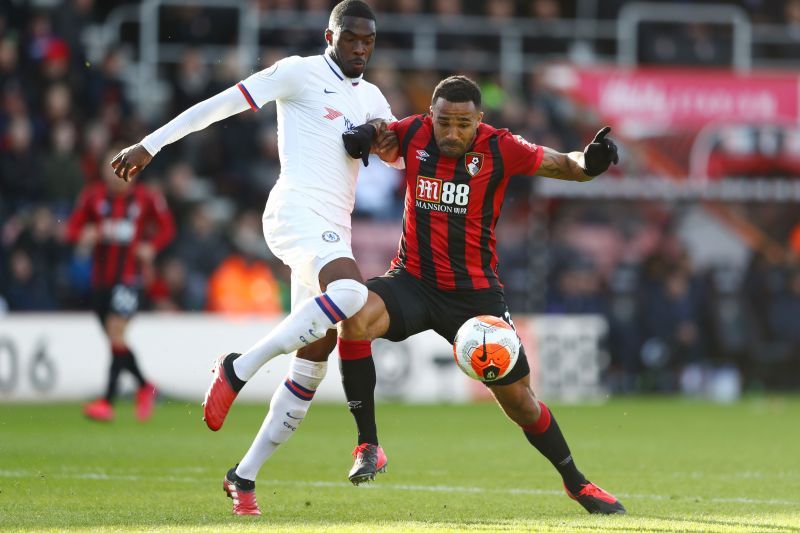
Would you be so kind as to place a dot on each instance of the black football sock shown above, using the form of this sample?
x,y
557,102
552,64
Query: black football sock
x,y
132,367
227,364
546,436
358,380
239,481
117,364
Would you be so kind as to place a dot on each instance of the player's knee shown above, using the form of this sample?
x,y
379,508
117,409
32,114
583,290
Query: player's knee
x,y
355,327
348,295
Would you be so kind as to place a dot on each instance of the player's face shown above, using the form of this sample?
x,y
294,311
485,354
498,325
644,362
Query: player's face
x,y
454,126
352,44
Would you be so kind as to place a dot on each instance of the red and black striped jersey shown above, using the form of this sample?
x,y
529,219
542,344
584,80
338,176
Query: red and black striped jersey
x,y
123,221
452,205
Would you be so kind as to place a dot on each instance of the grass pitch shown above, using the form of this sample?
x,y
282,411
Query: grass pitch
x,y
677,465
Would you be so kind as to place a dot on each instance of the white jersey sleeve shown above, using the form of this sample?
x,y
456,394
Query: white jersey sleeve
x,y
381,107
199,116
282,81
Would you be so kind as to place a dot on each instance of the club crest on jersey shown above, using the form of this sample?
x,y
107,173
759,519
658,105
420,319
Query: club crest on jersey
x,y
474,162
330,236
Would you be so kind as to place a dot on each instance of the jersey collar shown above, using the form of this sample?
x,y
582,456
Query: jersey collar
x,y
336,70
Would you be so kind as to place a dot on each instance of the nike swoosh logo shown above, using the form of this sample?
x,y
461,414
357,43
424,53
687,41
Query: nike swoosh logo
x,y
294,417
483,359
326,91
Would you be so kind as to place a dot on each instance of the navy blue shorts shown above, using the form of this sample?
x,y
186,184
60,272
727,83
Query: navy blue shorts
x,y
120,299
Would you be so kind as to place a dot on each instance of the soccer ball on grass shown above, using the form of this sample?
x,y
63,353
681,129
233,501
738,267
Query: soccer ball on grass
x,y
486,348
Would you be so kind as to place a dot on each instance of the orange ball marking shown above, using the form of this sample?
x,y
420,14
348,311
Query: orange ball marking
x,y
494,321
491,355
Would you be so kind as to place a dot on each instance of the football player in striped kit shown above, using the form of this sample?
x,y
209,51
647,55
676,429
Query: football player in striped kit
x,y
457,169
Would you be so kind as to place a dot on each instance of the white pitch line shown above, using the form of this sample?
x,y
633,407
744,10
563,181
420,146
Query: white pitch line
x,y
101,476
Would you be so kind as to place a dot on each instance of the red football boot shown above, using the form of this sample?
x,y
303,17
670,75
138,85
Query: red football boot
x,y
370,460
244,501
100,410
145,401
222,392
596,500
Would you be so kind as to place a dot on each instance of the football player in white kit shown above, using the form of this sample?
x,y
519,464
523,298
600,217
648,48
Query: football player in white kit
x,y
320,99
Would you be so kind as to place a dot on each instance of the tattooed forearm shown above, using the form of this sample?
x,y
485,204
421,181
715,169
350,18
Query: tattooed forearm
x,y
562,166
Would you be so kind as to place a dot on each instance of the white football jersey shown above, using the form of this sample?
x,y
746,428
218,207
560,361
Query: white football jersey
x,y
316,103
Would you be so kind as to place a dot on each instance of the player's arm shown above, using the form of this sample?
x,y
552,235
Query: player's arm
x,y
164,222
385,143
162,229
133,159
562,166
284,79
580,166
80,230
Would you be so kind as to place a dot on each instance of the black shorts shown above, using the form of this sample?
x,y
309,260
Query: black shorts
x,y
119,300
413,307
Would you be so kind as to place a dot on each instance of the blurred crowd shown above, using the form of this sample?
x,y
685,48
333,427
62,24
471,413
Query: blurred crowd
x,y
60,115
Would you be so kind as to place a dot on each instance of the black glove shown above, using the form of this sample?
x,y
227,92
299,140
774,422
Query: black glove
x,y
600,153
358,142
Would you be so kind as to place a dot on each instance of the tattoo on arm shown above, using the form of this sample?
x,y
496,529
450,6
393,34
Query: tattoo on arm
x,y
562,166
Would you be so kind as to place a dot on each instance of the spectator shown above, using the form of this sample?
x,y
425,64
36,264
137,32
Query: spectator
x,y
27,289
244,285
62,169
22,181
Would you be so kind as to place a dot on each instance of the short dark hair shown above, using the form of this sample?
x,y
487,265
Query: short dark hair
x,y
458,89
349,8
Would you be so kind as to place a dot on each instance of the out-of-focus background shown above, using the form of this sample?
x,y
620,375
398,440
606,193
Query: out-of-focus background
x,y
675,272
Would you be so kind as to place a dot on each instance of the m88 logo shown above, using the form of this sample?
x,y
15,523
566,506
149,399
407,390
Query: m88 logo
x,y
438,191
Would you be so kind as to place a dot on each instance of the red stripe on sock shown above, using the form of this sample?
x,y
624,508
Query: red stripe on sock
x,y
541,425
351,350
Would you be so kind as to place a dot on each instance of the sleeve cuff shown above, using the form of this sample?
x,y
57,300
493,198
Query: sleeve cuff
x,y
537,161
148,145
247,96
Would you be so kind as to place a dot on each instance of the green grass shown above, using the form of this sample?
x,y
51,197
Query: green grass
x,y
677,465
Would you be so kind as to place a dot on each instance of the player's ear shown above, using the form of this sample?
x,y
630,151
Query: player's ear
x,y
480,117
329,37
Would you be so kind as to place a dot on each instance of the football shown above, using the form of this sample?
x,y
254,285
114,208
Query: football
x,y
486,348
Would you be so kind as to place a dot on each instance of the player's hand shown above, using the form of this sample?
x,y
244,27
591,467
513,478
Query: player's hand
x,y
358,142
600,153
145,252
88,237
386,144
130,161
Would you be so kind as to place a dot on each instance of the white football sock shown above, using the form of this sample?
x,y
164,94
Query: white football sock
x,y
287,409
309,322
